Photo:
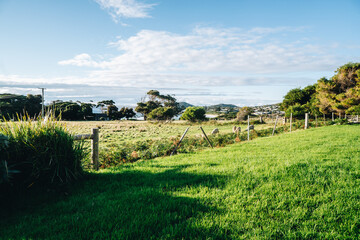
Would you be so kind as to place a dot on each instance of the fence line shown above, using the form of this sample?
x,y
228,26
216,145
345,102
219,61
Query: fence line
x,y
95,135
94,146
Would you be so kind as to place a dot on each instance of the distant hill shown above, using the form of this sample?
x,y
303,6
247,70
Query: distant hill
x,y
223,105
185,104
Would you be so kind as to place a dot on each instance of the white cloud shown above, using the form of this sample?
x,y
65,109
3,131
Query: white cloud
x,y
206,56
81,60
206,61
125,8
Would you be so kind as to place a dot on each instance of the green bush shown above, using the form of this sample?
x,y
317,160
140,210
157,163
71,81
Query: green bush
x,y
193,114
161,113
43,153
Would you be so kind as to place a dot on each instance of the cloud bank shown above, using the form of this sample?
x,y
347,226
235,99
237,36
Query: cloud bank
x,y
206,56
204,66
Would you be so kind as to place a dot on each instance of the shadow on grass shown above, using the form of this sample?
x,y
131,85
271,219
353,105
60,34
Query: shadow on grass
x,y
128,205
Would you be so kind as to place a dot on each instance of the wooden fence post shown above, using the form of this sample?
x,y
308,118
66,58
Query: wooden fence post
x,y
290,121
277,117
324,119
248,128
316,123
207,139
332,116
95,148
306,120
182,137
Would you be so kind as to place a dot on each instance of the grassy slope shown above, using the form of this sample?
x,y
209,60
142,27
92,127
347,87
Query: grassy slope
x,y
299,185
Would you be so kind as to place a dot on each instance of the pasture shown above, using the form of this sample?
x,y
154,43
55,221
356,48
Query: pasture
x,y
129,141
300,185
112,132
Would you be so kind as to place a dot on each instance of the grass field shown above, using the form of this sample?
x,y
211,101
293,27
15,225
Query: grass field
x,y
129,131
302,185
120,140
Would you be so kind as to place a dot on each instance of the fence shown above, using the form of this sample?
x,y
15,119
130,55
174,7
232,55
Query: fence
x,y
318,119
94,146
351,118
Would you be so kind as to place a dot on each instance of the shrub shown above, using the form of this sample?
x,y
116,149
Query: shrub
x,y
193,114
161,113
43,153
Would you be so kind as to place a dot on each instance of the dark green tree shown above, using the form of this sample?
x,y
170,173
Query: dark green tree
x,y
127,113
71,110
87,110
112,112
12,105
156,100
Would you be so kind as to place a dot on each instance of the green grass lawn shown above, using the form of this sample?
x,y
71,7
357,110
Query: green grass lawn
x,y
300,185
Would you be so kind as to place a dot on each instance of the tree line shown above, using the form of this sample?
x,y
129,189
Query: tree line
x,y
12,105
340,95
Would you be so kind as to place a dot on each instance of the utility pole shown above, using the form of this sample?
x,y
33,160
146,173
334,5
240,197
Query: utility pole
x,y
42,102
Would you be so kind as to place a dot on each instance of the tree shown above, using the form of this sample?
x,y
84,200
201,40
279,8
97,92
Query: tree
x,y
306,98
112,112
193,114
340,94
156,100
33,105
147,107
298,96
87,110
126,113
12,105
105,103
243,113
161,113
297,110
71,110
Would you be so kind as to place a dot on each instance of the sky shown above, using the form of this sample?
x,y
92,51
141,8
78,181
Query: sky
x,y
243,52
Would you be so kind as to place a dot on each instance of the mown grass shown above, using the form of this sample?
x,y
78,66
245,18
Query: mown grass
x,y
302,185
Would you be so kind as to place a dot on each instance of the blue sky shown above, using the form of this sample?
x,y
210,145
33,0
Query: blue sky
x,y
203,51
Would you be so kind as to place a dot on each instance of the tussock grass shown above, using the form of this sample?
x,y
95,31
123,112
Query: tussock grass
x,y
303,185
42,152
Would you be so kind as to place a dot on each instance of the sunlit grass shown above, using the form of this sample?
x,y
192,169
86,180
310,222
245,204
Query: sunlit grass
x,y
302,185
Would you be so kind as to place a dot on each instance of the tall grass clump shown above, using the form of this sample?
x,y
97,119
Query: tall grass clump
x,y
39,153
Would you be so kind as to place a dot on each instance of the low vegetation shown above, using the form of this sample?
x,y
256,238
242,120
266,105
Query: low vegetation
x,y
303,185
38,154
